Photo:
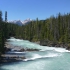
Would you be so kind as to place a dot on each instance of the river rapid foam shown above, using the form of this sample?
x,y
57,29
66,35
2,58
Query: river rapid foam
x,y
48,58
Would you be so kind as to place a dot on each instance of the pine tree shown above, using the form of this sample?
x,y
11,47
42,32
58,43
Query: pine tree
x,y
0,16
5,16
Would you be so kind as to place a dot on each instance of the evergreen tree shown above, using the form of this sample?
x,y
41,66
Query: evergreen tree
x,y
0,16
5,16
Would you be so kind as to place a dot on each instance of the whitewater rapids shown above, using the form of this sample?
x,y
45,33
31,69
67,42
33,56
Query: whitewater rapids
x,y
48,58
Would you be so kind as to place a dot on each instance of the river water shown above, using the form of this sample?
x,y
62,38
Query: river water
x,y
48,58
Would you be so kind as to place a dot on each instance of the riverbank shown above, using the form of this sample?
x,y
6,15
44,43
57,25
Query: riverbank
x,y
12,53
54,44
5,58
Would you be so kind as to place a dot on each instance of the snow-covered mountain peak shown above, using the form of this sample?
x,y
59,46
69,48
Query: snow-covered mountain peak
x,y
19,22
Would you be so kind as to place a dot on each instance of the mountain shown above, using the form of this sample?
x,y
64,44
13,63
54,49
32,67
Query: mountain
x,y
19,22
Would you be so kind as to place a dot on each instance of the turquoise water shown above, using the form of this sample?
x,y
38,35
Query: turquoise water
x,y
48,58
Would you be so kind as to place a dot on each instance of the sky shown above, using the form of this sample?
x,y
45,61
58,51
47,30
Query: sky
x,y
41,9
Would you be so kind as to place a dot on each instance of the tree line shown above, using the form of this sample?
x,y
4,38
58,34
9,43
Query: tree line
x,y
55,29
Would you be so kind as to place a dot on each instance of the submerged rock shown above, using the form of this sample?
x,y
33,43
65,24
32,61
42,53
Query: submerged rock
x,y
28,49
32,49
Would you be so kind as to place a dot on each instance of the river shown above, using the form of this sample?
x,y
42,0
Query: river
x,y
48,58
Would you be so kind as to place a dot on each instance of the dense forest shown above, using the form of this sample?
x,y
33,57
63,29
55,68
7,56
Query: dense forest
x,y
54,29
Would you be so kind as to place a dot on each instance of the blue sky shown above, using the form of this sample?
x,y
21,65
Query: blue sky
x,y
23,9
